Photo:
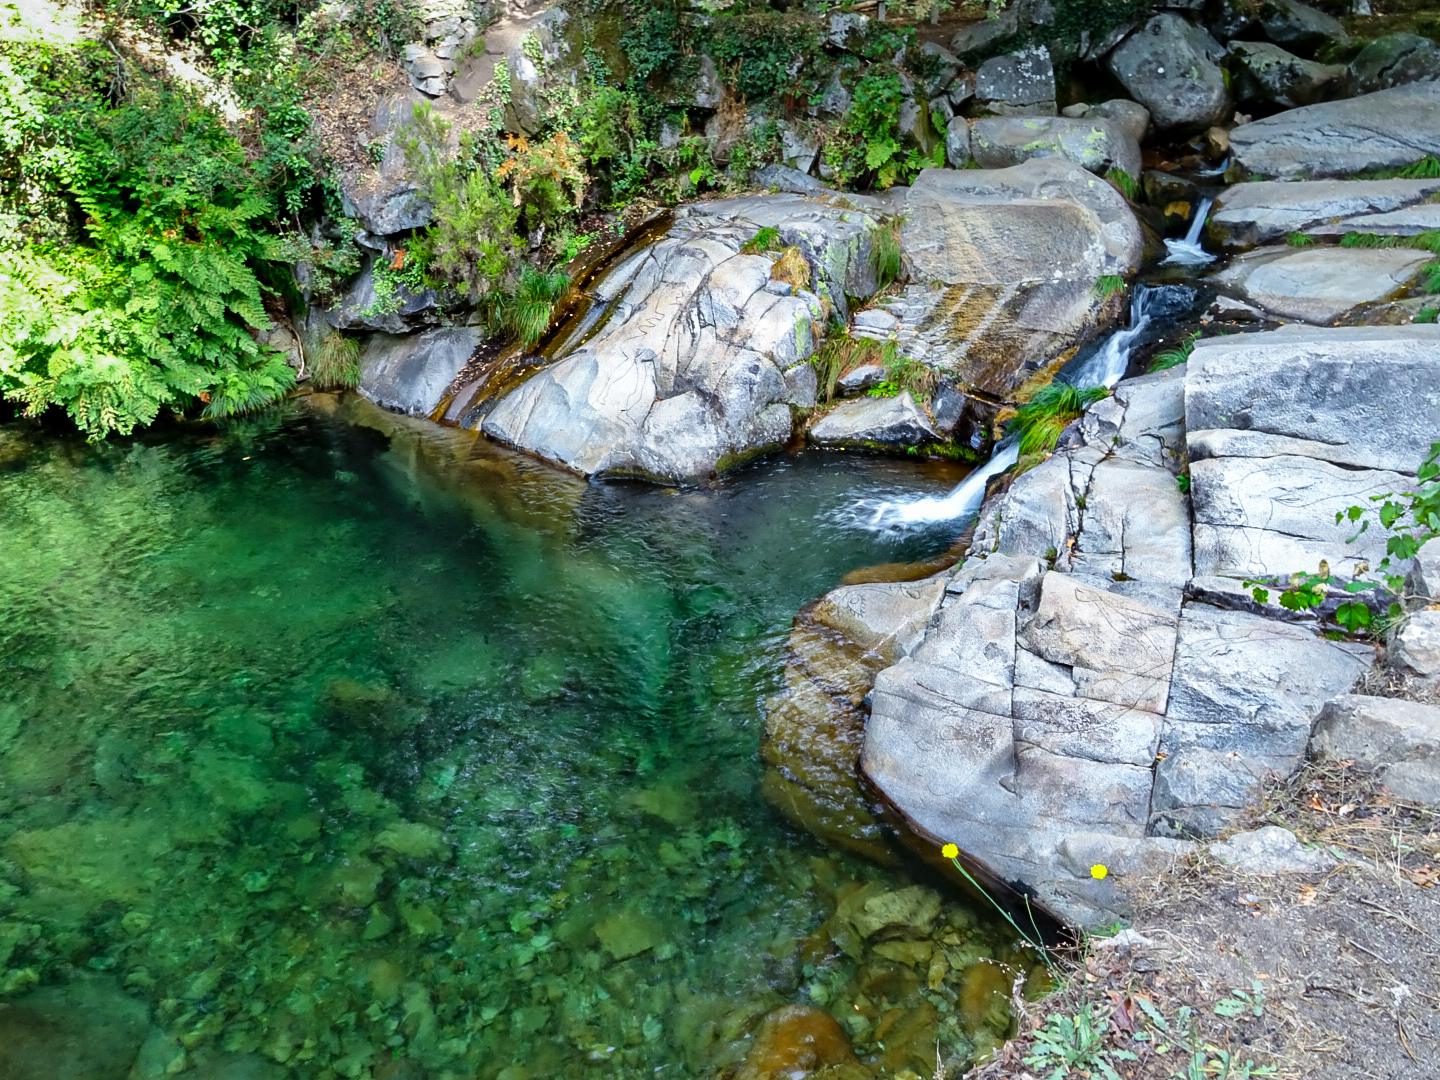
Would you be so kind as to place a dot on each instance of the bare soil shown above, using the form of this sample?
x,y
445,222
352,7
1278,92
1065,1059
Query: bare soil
x,y
1347,962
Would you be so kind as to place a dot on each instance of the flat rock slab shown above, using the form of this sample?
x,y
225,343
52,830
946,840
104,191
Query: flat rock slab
x,y
1252,685
892,422
1271,850
1388,129
410,373
690,356
1348,395
1267,516
1321,285
1246,215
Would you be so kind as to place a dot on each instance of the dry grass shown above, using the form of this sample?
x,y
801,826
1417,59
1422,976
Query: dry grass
x,y
792,269
1347,961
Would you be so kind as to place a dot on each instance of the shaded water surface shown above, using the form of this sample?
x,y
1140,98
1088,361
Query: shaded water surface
x,y
370,751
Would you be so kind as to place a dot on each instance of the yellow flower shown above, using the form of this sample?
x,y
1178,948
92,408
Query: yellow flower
x,y
950,851
1099,871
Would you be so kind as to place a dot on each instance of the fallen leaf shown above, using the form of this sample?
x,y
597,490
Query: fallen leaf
x,y
1307,896
1316,804
1427,877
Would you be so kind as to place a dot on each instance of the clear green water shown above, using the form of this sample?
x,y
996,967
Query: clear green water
x,y
375,756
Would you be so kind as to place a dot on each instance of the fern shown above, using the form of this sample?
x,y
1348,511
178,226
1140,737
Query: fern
x,y
155,311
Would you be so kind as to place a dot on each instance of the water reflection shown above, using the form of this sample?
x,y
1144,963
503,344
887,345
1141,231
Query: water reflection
x,y
336,745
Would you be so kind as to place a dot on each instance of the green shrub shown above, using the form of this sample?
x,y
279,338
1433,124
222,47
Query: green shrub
x,y
1039,421
152,309
1427,315
867,144
338,365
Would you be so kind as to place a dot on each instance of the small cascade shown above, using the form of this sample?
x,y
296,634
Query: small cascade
x,y
961,503
1189,252
1106,366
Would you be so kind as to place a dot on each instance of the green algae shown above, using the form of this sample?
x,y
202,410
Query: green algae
x,y
333,763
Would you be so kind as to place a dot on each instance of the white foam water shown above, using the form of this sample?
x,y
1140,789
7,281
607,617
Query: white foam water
x,y
1106,366
883,516
1189,252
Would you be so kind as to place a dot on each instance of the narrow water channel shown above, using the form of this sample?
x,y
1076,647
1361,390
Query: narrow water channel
x,y
371,751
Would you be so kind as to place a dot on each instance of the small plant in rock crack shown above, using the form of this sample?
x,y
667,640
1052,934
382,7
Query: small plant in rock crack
x,y
1169,358
1411,517
765,239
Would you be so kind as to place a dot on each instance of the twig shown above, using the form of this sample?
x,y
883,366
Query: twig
x,y
1362,948
1398,918
1403,1040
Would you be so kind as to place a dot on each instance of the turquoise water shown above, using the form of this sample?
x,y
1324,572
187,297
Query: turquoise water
x,y
367,750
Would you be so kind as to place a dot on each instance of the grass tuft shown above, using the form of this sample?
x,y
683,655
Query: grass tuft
x,y
1299,239
791,268
1169,358
338,365
1126,184
765,239
1107,285
1039,421
884,255
525,313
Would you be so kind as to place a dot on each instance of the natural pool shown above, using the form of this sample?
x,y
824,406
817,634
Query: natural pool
x,y
333,744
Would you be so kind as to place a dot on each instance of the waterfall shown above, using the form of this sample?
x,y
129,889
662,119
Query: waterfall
x,y
1106,366
960,503
1188,252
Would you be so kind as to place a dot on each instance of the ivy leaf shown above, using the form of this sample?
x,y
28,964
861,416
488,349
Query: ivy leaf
x,y
1353,615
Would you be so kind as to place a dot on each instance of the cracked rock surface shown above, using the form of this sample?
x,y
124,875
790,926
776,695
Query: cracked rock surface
x,y
1095,686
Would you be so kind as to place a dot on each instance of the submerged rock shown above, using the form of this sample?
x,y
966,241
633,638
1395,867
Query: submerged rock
x,y
798,1041
1383,130
815,726
681,366
88,1029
